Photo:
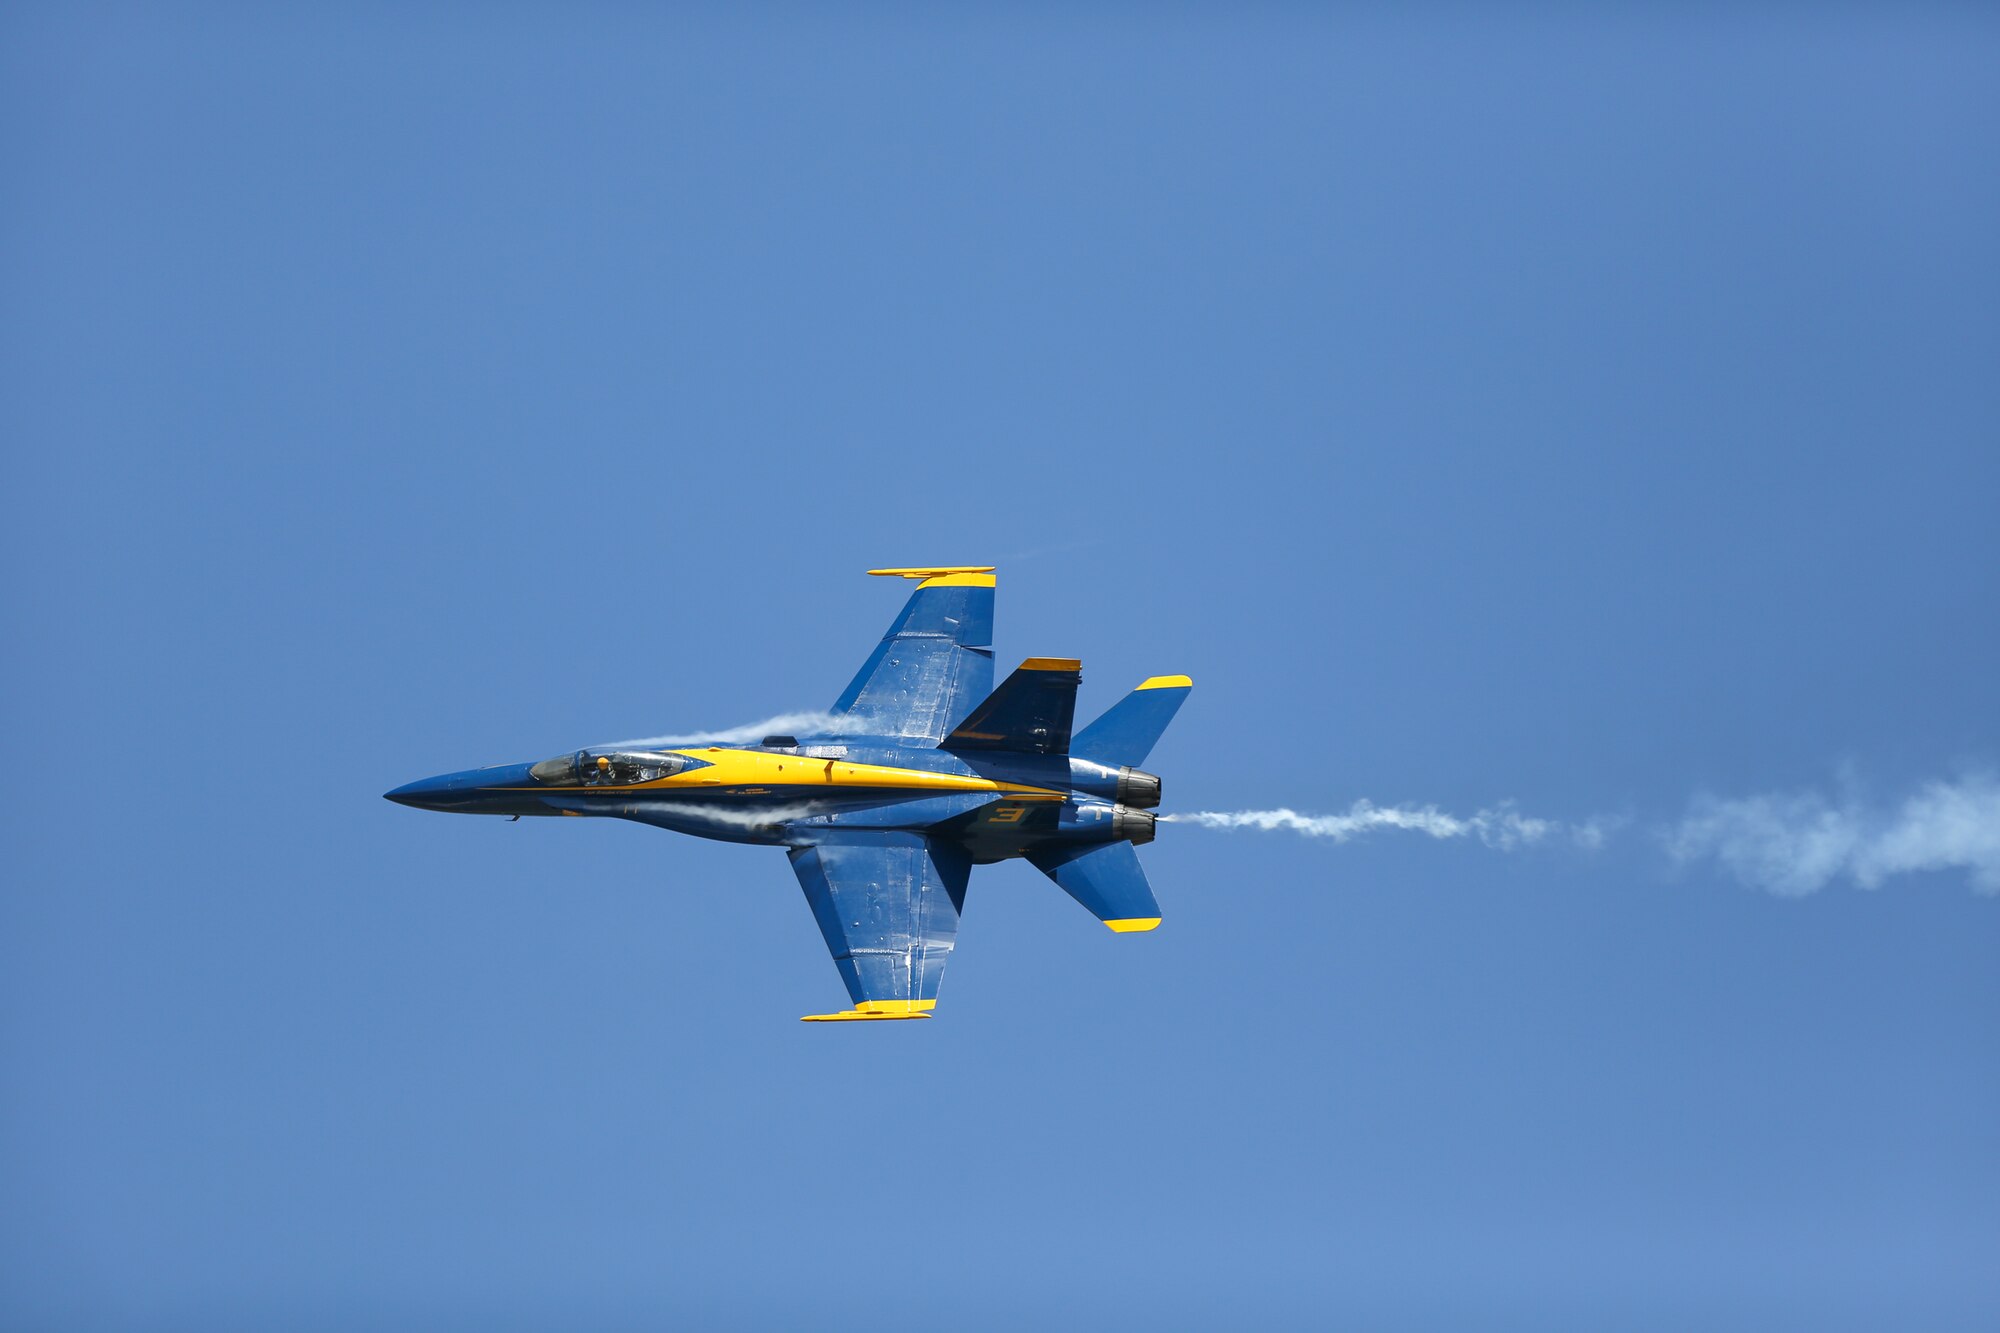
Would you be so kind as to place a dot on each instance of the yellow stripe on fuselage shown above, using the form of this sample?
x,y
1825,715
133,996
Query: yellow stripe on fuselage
x,y
755,768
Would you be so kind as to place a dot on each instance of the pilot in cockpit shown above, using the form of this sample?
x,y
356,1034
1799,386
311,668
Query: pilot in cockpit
x,y
583,768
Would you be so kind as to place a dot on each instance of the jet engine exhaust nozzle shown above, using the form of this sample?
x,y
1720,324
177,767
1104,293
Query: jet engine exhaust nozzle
x,y
1135,826
1138,788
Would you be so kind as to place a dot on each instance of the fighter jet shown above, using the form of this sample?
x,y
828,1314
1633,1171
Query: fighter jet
x,y
925,771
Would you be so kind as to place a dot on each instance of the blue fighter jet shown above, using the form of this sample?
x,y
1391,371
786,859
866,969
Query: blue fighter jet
x,y
925,772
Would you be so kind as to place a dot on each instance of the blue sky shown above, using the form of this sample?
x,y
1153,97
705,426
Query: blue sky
x,y
1592,413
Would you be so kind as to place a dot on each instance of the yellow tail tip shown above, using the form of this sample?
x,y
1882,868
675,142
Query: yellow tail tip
x,y
1134,923
1166,683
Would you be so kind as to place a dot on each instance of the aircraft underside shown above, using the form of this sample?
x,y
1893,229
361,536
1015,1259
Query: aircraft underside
x,y
934,771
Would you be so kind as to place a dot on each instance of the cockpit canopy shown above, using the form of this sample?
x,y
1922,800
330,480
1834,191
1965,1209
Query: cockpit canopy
x,y
612,768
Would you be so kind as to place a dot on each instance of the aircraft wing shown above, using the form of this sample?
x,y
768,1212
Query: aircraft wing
x,y
888,904
935,662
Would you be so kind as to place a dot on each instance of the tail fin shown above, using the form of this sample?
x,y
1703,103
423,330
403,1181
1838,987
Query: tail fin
x,y
1107,879
1031,711
1126,733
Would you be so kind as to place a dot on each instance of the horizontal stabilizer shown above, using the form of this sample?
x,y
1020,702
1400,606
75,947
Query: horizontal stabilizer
x,y
1031,712
1127,732
1107,879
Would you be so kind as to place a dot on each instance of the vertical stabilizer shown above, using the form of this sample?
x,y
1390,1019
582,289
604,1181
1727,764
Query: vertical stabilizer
x,y
1127,733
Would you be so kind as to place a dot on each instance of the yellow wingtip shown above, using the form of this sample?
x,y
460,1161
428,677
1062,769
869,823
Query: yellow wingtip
x,y
875,1010
1134,923
942,576
1166,683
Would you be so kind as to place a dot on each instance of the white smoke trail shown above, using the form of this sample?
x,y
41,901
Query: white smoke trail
x,y
727,817
1789,843
1502,827
784,724
1796,843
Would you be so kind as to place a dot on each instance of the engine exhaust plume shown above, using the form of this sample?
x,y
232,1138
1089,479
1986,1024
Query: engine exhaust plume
x,y
1501,827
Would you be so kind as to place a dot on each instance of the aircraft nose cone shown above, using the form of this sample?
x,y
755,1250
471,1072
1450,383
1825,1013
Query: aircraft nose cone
x,y
476,791
422,795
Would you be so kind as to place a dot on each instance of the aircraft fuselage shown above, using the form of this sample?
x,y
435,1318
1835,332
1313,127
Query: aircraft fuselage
x,y
994,804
